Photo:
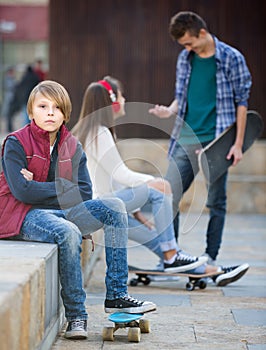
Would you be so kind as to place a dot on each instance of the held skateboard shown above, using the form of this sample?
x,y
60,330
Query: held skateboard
x,y
195,280
134,322
212,159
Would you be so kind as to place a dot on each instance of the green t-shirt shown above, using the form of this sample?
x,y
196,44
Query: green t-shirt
x,y
200,119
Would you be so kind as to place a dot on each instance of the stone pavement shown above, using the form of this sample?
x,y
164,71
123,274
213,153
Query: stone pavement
x,y
228,318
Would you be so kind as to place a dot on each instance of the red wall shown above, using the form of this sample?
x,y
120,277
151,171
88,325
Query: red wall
x,y
31,22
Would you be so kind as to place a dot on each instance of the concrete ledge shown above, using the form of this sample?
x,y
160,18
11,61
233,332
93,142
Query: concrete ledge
x,y
31,310
245,194
31,313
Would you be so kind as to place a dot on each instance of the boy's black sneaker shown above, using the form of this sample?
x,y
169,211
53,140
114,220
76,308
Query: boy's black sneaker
x,y
76,329
231,274
184,262
128,304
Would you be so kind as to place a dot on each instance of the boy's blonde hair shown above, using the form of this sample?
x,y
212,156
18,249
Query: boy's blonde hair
x,y
53,91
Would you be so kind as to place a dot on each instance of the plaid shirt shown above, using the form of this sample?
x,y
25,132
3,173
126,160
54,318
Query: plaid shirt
x,y
233,81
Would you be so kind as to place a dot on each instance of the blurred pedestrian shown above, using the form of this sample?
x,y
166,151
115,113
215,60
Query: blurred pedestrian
x,y
22,91
9,88
38,69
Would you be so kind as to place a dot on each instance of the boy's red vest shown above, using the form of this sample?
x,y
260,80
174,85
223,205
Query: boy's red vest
x,y
36,145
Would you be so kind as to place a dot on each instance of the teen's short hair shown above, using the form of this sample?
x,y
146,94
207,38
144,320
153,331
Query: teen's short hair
x,y
186,21
54,91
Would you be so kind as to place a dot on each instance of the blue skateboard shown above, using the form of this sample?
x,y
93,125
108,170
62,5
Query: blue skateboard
x,y
134,322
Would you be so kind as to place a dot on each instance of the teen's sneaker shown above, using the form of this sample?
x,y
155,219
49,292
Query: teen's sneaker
x,y
128,304
231,274
184,262
76,329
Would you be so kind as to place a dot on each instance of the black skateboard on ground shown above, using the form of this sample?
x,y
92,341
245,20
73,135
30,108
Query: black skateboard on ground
x,y
194,280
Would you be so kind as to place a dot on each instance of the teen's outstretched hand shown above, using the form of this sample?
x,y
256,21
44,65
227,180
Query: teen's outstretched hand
x,y
161,111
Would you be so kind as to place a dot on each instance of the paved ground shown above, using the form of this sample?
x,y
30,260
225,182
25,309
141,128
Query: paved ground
x,y
229,318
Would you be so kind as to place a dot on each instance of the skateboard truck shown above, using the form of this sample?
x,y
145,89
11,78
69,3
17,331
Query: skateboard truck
x,y
134,322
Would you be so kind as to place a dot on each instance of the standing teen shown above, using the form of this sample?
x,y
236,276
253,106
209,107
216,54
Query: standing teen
x,y
212,90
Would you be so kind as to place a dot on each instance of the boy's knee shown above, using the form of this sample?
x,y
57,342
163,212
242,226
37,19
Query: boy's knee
x,y
115,204
71,234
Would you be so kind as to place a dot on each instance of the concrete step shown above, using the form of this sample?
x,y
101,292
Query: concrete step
x,y
150,155
30,308
245,194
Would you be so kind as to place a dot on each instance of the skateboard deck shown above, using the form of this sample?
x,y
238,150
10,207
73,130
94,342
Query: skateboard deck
x,y
212,159
134,322
195,280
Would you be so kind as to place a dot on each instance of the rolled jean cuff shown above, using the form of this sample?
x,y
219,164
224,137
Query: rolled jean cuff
x,y
170,245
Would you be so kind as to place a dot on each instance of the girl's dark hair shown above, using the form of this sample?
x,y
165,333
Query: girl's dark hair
x,y
96,110
186,21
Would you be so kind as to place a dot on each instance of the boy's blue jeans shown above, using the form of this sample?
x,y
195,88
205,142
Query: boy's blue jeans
x,y
66,228
182,169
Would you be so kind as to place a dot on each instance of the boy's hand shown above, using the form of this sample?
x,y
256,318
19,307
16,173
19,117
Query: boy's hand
x,y
161,111
236,153
27,174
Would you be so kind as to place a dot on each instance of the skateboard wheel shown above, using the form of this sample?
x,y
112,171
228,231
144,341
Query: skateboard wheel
x,y
146,281
108,334
134,335
189,286
144,326
202,284
133,282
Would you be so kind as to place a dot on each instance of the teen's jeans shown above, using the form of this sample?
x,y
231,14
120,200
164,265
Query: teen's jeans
x,y
160,239
66,228
182,169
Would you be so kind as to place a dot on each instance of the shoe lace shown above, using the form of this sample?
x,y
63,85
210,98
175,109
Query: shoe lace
x,y
133,300
228,269
78,324
186,257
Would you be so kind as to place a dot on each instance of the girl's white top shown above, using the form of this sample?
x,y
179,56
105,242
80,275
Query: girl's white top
x,y
107,170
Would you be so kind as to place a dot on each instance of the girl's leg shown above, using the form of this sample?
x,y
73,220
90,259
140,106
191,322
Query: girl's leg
x,y
133,197
143,235
160,198
157,193
50,226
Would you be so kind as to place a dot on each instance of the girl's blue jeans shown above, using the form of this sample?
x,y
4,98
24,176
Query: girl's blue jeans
x,y
182,169
160,239
66,228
